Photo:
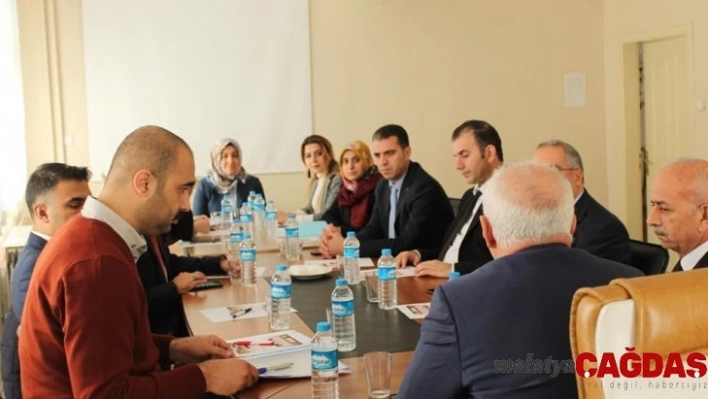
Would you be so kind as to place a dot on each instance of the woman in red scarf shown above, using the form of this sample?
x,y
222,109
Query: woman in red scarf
x,y
355,201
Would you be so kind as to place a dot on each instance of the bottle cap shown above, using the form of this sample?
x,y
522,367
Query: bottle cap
x,y
351,234
386,252
246,237
341,282
281,268
454,275
323,326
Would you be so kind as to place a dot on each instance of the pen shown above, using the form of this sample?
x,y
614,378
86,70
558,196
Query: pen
x,y
240,313
281,366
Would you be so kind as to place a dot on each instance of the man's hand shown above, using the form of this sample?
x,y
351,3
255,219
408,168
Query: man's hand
x,y
228,376
433,268
406,258
186,281
196,349
201,224
230,266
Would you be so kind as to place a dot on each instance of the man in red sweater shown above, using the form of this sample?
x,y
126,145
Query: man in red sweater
x,y
85,330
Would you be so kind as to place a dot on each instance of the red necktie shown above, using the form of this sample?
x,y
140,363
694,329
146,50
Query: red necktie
x,y
158,252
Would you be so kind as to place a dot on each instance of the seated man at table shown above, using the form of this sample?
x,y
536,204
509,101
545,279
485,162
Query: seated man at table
x,y
679,214
411,208
515,306
55,192
166,277
598,231
85,330
477,149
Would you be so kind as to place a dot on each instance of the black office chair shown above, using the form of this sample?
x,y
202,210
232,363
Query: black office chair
x,y
649,258
455,203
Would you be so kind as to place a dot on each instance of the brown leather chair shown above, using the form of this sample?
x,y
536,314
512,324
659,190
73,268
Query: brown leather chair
x,y
660,314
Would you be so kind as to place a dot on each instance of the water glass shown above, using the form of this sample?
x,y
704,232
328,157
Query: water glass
x,y
378,374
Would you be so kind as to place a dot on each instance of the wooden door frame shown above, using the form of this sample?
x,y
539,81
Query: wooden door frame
x,y
632,121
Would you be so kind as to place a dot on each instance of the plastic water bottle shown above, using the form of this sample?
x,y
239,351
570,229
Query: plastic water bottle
x,y
292,238
351,259
246,217
343,316
233,249
271,220
251,198
454,275
388,296
259,206
280,290
227,212
248,261
325,363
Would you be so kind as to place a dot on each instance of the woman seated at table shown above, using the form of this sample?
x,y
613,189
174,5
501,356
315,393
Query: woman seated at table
x,y
323,172
226,178
355,201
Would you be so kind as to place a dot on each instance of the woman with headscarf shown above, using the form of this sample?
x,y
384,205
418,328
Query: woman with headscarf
x,y
323,171
226,177
355,200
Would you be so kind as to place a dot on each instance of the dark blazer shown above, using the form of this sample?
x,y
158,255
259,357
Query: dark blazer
x,y
20,282
701,264
207,198
423,213
473,250
340,216
512,308
164,302
600,232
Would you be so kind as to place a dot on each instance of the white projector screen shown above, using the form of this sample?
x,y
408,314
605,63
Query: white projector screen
x,y
204,70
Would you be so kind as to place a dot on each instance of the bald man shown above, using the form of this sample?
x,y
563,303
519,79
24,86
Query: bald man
x,y
514,306
679,214
85,330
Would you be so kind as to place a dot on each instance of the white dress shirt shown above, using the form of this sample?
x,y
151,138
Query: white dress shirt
x,y
95,209
691,259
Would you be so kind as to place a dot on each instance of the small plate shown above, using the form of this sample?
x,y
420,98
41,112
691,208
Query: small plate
x,y
309,272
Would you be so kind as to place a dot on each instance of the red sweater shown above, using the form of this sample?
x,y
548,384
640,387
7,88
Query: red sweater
x,y
85,330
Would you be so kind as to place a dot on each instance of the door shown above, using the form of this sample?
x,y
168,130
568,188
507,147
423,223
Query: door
x,y
666,109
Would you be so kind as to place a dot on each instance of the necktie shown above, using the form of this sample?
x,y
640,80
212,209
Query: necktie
x,y
678,267
158,253
392,212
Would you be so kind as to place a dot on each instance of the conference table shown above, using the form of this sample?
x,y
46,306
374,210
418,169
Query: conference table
x,y
377,330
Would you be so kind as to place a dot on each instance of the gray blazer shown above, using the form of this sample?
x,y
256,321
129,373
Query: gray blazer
x,y
328,198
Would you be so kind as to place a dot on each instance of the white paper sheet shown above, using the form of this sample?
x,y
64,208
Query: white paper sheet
x,y
260,271
415,310
223,314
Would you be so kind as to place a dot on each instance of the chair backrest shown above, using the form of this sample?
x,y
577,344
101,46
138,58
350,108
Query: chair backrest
x,y
649,258
455,203
657,314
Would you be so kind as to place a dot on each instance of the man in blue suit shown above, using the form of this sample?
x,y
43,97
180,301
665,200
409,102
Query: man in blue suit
x,y
514,307
55,192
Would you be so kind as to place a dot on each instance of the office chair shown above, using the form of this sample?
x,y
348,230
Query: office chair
x,y
649,258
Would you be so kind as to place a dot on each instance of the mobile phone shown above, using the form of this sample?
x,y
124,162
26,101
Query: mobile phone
x,y
315,253
208,285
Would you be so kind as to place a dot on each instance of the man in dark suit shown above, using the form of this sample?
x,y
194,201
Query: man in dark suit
x,y
679,214
411,208
477,149
515,307
599,231
55,192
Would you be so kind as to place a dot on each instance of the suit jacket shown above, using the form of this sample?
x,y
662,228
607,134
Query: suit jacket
x,y
514,307
164,301
207,198
600,232
473,250
701,264
20,282
423,212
